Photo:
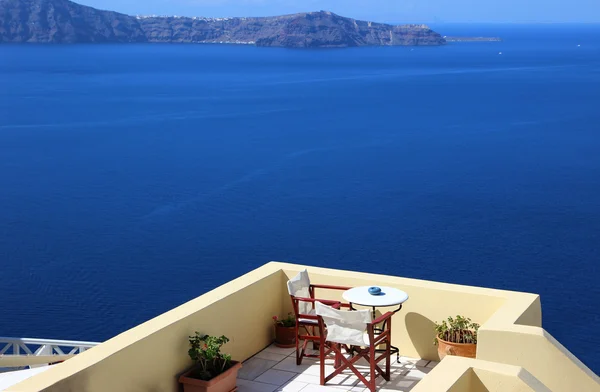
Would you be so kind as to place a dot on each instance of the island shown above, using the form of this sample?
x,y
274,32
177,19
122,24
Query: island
x,y
63,21
472,39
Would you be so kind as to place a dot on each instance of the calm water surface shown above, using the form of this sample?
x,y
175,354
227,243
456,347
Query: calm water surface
x,y
134,178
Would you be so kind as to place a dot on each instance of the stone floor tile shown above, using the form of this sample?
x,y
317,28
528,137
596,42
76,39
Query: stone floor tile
x,y
359,388
292,386
432,364
344,380
400,384
254,367
271,356
393,376
418,372
409,359
253,386
319,388
284,375
289,365
307,378
275,377
315,369
422,362
278,350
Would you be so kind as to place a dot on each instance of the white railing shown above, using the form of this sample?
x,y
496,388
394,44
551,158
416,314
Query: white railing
x,y
42,347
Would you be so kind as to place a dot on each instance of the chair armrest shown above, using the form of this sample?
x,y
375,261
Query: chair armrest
x,y
382,318
329,287
335,304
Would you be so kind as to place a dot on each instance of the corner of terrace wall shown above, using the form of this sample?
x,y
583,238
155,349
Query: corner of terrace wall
x,y
539,353
514,335
456,374
501,381
532,316
429,302
150,356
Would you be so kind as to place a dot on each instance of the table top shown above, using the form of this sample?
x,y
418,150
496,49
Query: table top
x,y
389,296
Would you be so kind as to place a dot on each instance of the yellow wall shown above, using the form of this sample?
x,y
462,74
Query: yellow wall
x,y
150,356
496,381
457,382
27,360
456,374
413,327
538,352
532,316
510,321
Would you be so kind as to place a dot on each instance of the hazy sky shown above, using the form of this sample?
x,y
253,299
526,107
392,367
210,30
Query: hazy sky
x,y
377,10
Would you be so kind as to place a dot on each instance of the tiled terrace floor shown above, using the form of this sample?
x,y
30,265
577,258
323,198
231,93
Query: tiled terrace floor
x,y
274,369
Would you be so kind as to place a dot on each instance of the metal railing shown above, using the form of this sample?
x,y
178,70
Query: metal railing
x,y
26,347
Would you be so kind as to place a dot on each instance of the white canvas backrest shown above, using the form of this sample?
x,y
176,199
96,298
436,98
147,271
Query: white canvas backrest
x,y
346,327
299,286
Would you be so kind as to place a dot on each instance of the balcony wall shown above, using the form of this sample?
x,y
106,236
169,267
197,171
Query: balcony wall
x,y
470,375
511,325
150,356
538,352
413,327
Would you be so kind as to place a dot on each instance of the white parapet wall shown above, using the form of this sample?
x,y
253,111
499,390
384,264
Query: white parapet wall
x,y
149,357
456,374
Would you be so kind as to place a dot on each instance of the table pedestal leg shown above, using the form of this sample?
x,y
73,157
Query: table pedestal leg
x,y
393,349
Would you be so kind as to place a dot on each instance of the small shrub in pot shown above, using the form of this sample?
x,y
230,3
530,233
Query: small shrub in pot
x,y
214,371
457,336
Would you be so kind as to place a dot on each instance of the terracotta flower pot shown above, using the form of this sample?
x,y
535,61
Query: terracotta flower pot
x,y
224,382
467,350
285,336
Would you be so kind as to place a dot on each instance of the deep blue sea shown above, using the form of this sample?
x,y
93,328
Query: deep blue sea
x,y
136,177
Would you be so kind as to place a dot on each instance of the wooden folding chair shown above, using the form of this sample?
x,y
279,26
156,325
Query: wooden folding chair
x,y
357,330
302,293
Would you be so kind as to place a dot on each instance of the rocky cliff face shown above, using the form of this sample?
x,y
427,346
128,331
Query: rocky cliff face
x,y
62,21
314,29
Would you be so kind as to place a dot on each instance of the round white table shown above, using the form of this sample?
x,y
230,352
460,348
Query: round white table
x,y
389,296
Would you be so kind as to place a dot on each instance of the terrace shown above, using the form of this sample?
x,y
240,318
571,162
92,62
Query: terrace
x,y
274,369
514,353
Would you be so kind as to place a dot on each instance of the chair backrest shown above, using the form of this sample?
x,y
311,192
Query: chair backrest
x,y
299,286
345,327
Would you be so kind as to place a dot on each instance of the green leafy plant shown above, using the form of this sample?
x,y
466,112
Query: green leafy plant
x,y
289,321
205,350
457,330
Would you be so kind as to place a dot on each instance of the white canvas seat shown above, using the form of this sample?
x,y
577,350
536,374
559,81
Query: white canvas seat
x,y
355,331
302,293
299,286
345,327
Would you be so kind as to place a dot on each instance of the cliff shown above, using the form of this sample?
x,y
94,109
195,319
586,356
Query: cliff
x,y
313,29
62,21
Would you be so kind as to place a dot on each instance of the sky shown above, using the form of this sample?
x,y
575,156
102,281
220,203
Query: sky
x,y
399,11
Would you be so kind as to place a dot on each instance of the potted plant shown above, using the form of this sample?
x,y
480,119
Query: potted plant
x,y
456,336
285,331
214,371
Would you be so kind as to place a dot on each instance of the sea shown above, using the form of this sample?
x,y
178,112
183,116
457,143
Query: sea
x,y
134,178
